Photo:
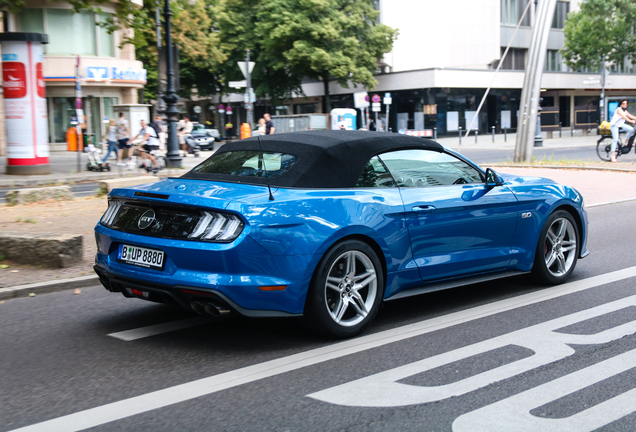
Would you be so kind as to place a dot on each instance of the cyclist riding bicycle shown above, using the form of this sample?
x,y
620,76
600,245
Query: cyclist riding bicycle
x,y
150,137
618,121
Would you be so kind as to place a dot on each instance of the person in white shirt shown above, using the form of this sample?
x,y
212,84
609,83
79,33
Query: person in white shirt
x,y
148,135
618,121
185,127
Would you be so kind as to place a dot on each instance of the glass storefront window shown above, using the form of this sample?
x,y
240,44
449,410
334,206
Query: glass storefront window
x,y
63,110
70,33
31,21
106,43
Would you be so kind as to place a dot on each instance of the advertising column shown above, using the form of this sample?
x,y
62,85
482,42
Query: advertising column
x,y
25,103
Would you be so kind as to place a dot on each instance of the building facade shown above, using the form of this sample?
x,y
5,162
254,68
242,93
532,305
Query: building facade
x,y
446,57
109,74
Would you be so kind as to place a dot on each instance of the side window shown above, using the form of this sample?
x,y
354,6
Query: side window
x,y
425,168
375,175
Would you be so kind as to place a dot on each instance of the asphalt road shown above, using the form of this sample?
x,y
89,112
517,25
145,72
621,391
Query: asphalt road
x,y
507,355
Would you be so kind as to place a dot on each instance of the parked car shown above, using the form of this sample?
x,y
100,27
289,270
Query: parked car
x,y
328,224
203,137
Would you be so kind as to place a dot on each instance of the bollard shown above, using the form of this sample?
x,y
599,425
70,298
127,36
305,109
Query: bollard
x,y
572,129
560,129
460,135
435,133
476,135
505,134
493,134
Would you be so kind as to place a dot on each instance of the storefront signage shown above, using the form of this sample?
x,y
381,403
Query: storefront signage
x,y
101,73
96,73
128,74
25,103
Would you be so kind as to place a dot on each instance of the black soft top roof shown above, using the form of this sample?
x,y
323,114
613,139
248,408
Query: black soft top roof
x,y
326,159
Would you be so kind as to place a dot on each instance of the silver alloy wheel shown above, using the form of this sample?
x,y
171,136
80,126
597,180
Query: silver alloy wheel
x,y
351,288
560,247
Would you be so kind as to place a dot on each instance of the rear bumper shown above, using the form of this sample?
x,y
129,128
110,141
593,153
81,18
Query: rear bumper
x,y
233,273
178,295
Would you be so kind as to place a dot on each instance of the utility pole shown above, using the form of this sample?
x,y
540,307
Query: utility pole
x,y
248,97
174,159
602,101
529,103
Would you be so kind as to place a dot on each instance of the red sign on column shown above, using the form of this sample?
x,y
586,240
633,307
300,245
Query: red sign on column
x,y
14,77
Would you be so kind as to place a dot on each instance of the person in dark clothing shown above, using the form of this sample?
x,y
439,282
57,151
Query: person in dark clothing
x,y
269,125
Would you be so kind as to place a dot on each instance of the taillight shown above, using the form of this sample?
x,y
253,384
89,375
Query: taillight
x,y
217,227
111,212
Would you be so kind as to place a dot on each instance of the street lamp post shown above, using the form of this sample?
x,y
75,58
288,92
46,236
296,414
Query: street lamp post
x,y
174,159
160,105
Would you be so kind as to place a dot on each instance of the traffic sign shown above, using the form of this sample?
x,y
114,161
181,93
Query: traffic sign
x,y
238,84
229,110
361,99
221,108
241,66
376,98
388,100
376,107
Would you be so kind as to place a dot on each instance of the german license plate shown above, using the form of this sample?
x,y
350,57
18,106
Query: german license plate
x,y
143,257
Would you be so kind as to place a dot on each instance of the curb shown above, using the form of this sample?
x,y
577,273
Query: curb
x,y
48,287
563,167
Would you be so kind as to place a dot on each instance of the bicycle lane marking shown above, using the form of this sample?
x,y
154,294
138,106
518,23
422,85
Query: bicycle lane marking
x,y
545,340
513,414
172,395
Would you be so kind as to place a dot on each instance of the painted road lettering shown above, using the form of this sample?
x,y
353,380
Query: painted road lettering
x,y
547,343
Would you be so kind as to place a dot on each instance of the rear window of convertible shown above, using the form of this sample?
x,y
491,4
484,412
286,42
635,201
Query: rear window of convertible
x,y
247,163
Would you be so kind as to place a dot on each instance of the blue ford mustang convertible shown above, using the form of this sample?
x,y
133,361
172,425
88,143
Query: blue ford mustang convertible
x,y
329,224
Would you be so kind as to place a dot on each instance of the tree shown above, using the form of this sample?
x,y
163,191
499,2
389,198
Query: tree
x,y
199,53
600,27
323,39
237,24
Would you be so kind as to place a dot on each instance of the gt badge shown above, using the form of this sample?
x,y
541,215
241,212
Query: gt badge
x,y
146,219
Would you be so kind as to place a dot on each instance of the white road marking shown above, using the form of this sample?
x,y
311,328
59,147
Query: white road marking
x,y
147,402
545,340
513,414
157,329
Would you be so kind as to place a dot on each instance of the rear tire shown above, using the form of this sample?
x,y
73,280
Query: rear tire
x,y
604,148
346,290
558,249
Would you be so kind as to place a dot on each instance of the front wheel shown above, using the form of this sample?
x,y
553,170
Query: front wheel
x,y
604,148
557,250
346,290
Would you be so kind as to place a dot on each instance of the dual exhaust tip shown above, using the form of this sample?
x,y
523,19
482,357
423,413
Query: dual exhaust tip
x,y
210,308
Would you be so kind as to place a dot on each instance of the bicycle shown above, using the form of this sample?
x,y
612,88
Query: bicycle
x,y
136,162
604,147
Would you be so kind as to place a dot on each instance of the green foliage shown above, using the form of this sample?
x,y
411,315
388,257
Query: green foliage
x,y
199,52
323,39
600,27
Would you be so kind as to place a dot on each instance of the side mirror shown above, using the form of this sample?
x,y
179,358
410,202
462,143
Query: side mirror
x,y
492,179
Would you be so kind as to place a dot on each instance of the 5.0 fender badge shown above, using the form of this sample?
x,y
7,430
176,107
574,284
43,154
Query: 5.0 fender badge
x,y
146,219
526,215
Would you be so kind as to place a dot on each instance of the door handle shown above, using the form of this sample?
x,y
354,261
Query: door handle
x,y
423,209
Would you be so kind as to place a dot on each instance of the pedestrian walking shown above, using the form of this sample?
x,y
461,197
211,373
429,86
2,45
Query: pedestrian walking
x,y
123,137
185,127
261,126
269,125
619,119
111,137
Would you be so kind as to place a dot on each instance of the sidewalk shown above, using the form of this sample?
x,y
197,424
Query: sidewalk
x,y
64,164
64,170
